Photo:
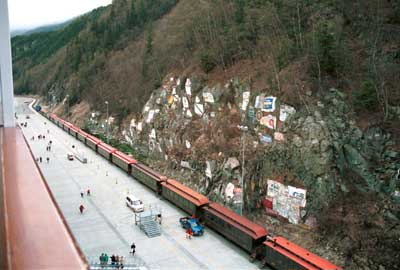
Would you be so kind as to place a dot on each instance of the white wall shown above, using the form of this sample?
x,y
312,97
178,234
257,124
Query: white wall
x,y
6,80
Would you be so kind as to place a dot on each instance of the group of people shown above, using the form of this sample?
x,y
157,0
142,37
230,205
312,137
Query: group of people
x,y
48,147
81,207
40,159
115,260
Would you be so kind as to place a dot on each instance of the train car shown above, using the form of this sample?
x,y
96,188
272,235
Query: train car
x,y
278,249
92,142
73,131
184,197
279,258
234,227
59,122
123,161
148,177
82,135
53,118
105,150
66,126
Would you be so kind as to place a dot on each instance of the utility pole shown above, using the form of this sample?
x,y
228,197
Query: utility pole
x,y
67,97
108,124
243,129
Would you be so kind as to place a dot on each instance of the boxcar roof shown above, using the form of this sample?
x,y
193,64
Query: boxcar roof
x,y
124,157
291,256
186,192
93,139
107,147
305,254
83,133
150,171
75,128
142,168
67,123
256,231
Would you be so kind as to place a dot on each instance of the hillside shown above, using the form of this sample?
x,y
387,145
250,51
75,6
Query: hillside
x,y
181,76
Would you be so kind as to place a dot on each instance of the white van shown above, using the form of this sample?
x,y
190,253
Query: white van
x,y
135,204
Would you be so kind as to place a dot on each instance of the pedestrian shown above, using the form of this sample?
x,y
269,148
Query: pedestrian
x,y
81,208
121,262
33,138
112,259
105,259
44,137
48,131
48,159
38,137
37,160
133,248
189,233
40,159
117,261
82,193
102,260
88,191
50,142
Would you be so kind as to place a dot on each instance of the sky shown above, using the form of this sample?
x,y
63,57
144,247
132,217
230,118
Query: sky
x,y
27,14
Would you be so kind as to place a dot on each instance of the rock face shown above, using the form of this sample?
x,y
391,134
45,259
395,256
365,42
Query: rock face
x,y
318,147
200,134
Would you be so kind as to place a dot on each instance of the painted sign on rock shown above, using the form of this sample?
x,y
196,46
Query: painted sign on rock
x,y
268,121
268,104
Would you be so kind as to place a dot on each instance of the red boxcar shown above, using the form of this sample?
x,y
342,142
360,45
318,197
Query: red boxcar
x,y
105,150
304,254
182,196
147,176
92,142
236,228
123,161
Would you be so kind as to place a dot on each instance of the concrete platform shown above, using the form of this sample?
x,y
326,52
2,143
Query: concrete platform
x,y
107,225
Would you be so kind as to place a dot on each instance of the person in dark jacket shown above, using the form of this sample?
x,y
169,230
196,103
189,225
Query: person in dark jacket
x,y
133,248
81,208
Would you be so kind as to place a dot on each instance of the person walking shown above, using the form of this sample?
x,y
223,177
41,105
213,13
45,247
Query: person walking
x,y
40,159
112,260
88,191
105,259
48,159
133,248
189,233
81,208
117,261
82,193
121,262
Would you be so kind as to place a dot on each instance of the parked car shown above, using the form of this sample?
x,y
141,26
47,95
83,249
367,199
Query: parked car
x,y
189,222
134,203
70,156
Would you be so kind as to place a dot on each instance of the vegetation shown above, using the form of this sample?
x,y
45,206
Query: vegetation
x,y
127,48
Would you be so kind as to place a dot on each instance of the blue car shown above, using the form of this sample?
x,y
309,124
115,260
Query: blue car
x,y
188,222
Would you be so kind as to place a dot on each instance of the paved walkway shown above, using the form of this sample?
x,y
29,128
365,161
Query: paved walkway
x,y
107,225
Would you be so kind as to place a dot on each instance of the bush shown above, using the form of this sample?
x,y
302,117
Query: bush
x,y
365,98
206,62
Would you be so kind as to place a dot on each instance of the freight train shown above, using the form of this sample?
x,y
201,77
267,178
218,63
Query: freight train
x,y
273,251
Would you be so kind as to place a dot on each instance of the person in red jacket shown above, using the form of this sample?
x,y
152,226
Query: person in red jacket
x,y
81,208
